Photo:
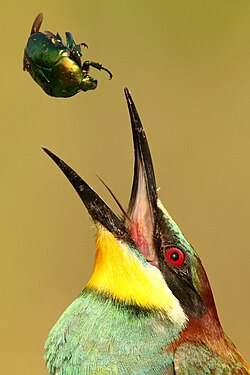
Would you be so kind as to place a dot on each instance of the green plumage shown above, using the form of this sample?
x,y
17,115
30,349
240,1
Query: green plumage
x,y
97,335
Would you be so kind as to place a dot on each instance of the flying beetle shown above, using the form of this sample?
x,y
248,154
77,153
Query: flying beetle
x,y
57,67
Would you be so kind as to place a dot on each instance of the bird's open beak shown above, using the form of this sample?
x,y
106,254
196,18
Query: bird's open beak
x,y
138,226
142,209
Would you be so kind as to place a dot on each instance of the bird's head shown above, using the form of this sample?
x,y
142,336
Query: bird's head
x,y
143,259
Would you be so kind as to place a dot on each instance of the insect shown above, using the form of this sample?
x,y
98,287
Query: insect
x,y
57,67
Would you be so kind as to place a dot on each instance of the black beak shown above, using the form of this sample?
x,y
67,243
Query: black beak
x,y
143,201
97,208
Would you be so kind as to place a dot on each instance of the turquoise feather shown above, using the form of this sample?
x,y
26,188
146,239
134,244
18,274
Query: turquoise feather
x,y
97,335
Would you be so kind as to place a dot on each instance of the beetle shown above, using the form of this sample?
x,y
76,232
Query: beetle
x,y
57,67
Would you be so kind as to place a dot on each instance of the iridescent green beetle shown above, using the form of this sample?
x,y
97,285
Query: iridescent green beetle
x,y
57,67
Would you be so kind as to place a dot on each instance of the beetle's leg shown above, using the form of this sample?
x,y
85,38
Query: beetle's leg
x,y
37,24
70,40
26,63
84,45
75,49
86,65
71,44
50,35
58,38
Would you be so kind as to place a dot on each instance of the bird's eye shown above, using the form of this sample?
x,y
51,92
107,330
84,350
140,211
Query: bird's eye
x,y
175,256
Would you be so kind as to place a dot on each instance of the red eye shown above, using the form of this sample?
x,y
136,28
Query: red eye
x,y
175,256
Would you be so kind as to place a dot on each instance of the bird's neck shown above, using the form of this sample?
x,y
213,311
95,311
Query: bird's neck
x,y
123,275
206,328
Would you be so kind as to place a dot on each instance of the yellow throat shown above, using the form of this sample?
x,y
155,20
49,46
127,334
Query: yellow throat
x,y
119,272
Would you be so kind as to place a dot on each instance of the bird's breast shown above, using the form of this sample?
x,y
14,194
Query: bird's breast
x,y
97,334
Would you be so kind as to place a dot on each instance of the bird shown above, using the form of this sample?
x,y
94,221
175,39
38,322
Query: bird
x,y
148,308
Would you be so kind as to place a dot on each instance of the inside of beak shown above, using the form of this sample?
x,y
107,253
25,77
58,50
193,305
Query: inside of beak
x,y
141,224
142,209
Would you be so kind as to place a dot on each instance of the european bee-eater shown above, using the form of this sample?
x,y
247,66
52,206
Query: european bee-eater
x,y
148,308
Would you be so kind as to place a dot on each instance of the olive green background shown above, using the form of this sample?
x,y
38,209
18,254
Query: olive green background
x,y
187,64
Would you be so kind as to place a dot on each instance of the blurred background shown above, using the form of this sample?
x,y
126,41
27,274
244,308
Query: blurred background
x,y
187,64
